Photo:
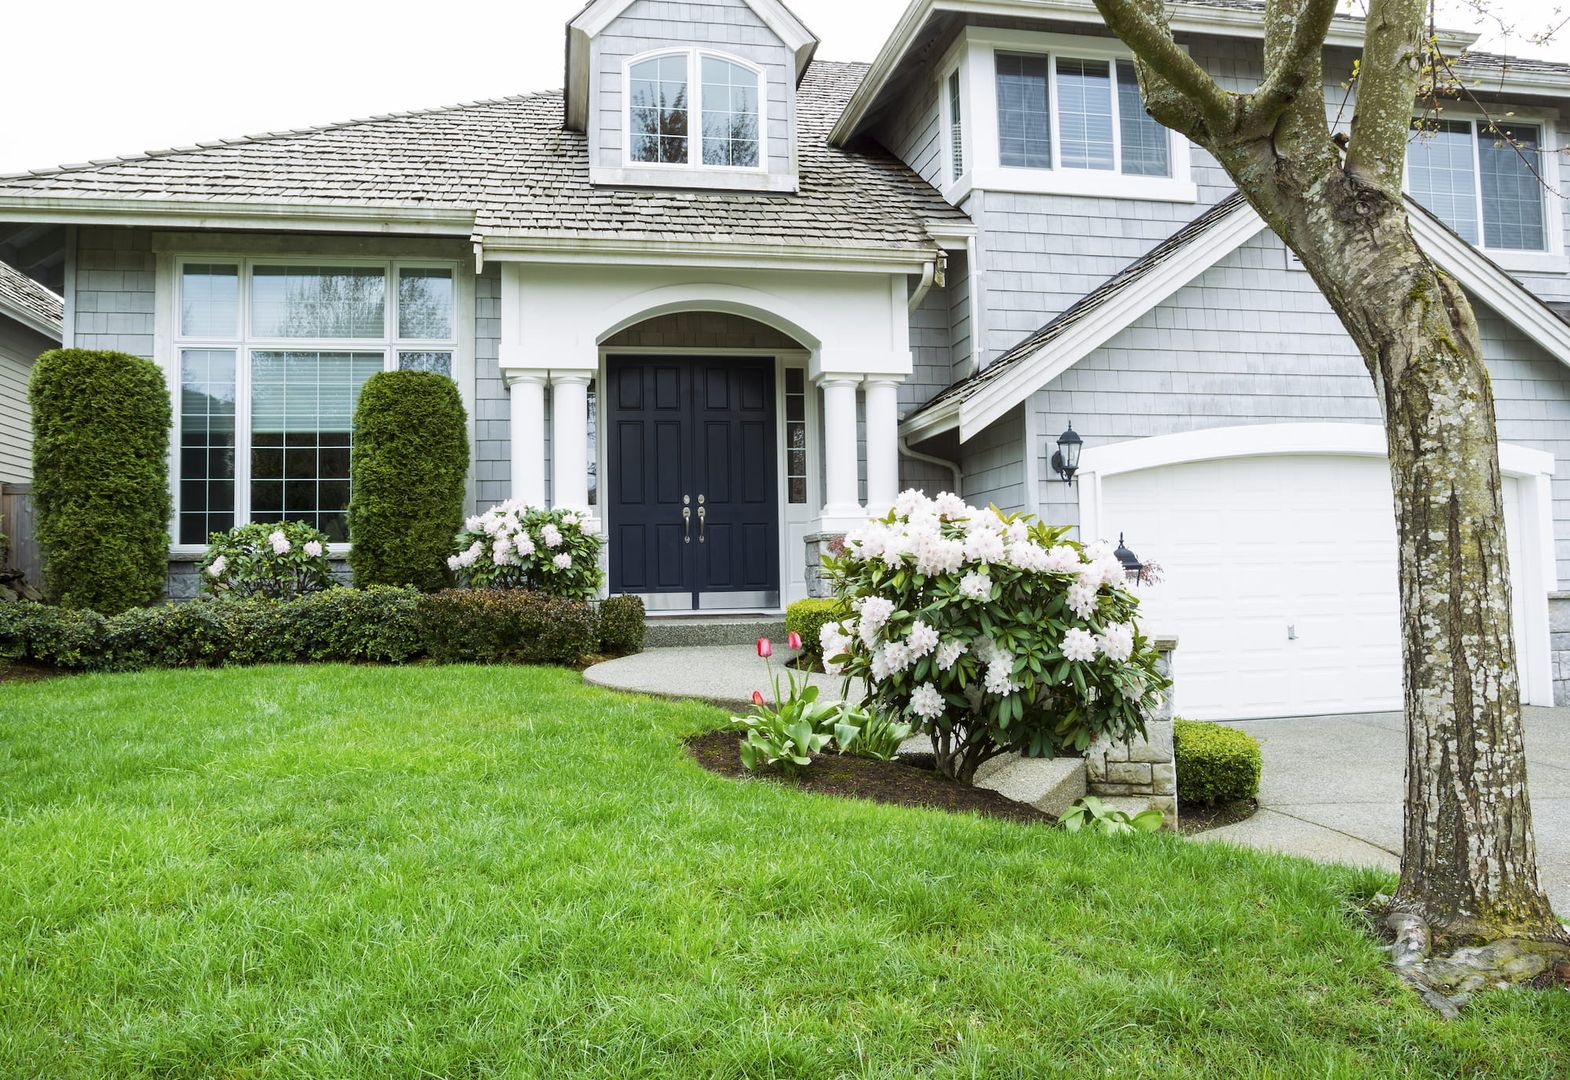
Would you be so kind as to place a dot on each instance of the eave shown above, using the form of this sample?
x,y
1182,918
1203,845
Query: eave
x,y
239,214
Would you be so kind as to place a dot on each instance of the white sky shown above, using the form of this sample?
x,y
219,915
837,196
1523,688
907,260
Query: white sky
x,y
97,78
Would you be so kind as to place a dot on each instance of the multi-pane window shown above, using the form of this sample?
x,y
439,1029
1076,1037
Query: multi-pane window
x,y
796,435
272,357
730,114
1469,174
663,94
956,128
1024,125
1091,108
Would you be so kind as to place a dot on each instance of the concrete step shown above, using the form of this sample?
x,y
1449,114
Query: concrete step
x,y
670,631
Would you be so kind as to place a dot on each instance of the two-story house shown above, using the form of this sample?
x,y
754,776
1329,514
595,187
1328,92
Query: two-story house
x,y
728,299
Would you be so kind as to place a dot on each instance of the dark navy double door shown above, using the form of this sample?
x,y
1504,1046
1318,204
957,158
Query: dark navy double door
x,y
692,505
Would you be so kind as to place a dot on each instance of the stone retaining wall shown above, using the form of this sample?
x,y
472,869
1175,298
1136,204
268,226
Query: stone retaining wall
x,y
1146,769
1559,645
185,575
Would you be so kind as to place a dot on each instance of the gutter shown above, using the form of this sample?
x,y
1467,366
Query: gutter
x,y
933,459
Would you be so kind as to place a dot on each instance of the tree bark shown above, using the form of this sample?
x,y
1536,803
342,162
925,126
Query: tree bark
x,y
1469,863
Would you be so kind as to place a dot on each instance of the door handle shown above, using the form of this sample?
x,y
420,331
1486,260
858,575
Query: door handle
x,y
703,514
686,520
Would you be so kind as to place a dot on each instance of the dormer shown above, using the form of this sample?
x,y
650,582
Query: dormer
x,y
689,94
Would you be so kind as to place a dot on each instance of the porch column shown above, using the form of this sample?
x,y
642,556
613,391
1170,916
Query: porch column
x,y
570,440
527,413
882,442
841,508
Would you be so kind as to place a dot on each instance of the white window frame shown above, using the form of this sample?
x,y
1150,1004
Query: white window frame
x,y
245,343
955,184
976,55
1550,259
694,163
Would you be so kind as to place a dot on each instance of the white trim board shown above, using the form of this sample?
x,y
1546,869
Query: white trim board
x,y
1478,274
1533,469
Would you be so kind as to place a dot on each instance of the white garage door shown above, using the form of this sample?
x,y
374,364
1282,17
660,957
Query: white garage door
x,y
1280,580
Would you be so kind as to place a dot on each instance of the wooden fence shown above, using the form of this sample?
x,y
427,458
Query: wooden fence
x,y
18,520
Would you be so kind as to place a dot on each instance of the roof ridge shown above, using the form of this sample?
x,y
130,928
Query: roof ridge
x,y
272,136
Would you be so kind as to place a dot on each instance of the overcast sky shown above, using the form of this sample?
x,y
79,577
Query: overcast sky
x,y
97,78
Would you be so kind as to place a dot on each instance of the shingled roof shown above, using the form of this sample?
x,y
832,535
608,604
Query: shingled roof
x,y
23,299
510,164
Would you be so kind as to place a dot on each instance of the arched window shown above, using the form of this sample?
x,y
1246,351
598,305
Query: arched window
x,y
663,95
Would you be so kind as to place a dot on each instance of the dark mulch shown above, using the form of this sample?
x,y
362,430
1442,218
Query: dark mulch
x,y
1198,818
863,778
20,673
1555,978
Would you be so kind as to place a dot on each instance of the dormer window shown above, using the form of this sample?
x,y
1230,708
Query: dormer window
x,y
663,96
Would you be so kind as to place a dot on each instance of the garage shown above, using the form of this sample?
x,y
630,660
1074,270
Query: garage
x,y
1279,568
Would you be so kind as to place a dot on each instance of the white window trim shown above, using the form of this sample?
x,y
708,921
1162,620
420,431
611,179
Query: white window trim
x,y
955,188
1552,258
693,172
244,344
978,50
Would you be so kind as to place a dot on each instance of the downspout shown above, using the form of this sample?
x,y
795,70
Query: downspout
x,y
479,258
932,459
929,274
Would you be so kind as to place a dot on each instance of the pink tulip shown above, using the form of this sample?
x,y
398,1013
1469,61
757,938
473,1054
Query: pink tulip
x,y
765,647
794,641
757,697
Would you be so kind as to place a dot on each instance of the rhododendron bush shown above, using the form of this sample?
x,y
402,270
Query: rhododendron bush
x,y
992,631
513,546
280,560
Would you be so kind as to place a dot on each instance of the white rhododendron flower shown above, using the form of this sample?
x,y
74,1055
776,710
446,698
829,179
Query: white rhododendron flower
x,y
926,701
1079,645
949,653
922,638
570,520
550,535
951,506
219,565
313,548
280,542
875,611
912,502
1082,598
1117,642
563,561
999,678
1062,559
976,586
984,545
1029,556
935,556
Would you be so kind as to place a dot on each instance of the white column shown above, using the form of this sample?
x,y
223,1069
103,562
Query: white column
x,y
570,440
882,443
527,411
841,508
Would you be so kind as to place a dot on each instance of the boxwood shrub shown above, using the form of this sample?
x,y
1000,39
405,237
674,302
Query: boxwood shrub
x,y
488,626
410,457
807,618
1215,764
621,625
101,477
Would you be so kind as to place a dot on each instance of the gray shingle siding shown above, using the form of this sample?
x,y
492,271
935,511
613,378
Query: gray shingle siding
x,y
994,464
1253,342
114,290
19,347
727,25
492,404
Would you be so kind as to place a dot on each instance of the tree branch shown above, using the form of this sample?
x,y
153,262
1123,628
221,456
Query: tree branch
x,y
1295,66
1142,26
1394,53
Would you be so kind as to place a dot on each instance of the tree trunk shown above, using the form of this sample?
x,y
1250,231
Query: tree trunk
x,y
1469,863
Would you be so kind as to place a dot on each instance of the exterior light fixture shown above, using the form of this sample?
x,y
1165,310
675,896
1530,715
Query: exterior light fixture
x,y
1065,460
1133,569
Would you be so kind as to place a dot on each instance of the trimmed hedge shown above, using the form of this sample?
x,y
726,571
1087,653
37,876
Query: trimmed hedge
x,y
807,618
1215,764
621,625
488,626
101,477
338,625
410,458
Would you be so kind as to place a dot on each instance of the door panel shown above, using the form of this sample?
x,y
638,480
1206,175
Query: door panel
x,y
695,434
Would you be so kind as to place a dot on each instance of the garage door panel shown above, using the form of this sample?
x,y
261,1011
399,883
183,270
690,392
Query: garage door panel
x,y
1280,580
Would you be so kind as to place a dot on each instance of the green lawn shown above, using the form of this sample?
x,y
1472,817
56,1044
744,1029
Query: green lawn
x,y
478,872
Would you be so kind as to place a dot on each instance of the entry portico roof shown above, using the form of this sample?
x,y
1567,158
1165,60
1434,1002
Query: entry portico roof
x,y
502,170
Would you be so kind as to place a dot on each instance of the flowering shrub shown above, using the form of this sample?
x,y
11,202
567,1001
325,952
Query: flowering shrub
x,y
513,546
275,561
994,632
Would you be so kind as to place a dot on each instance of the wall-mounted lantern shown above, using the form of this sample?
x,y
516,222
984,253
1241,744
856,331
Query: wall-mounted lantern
x,y
1133,569
1065,460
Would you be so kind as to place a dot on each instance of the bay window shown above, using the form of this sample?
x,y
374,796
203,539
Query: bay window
x,y
1485,184
271,357
665,92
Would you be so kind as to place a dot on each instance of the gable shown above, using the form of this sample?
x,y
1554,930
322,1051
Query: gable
x,y
790,32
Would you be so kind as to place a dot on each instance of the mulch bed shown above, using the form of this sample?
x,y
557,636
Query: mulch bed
x,y
20,673
1198,818
863,778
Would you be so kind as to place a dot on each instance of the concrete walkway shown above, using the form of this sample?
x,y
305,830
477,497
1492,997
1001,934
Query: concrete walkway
x,y
1333,786
723,675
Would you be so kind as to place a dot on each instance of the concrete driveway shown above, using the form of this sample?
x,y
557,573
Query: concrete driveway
x,y
1332,790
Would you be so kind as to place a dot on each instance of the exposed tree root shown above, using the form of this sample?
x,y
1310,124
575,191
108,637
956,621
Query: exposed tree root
x,y
1448,982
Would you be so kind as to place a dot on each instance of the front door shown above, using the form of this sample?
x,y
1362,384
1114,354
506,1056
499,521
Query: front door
x,y
692,506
